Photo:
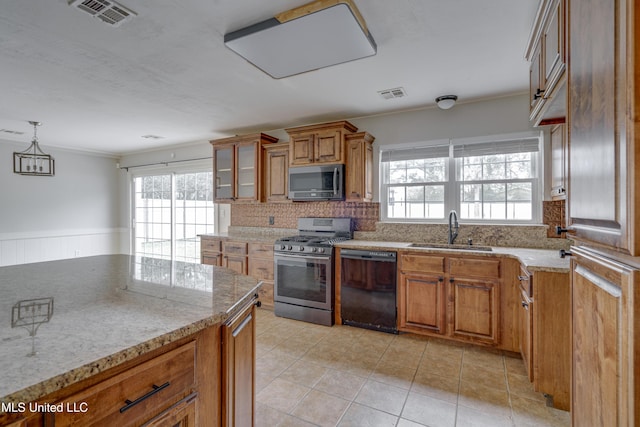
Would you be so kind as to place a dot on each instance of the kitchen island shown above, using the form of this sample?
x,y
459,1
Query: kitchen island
x,y
108,316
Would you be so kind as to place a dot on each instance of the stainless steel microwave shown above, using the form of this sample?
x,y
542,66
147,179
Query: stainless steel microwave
x,y
323,182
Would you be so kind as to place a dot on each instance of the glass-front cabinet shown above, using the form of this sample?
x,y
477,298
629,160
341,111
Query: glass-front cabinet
x,y
223,158
238,167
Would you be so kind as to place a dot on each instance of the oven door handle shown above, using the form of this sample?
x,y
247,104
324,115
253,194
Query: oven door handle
x,y
285,256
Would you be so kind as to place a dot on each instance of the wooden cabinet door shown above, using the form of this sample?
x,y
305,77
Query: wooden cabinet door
x,y
238,368
224,170
475,309
328,147
359,167
246,171
276,181
237,263
536,90
526,334
603,114
553,45
604,374
301,149
422,303
182,414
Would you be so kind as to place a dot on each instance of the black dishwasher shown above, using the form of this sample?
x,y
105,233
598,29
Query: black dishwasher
x,y
368,289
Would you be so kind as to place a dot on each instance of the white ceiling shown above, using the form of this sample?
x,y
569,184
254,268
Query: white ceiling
x,y
168,73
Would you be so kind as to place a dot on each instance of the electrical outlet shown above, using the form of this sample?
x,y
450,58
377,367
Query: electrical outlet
x,y
271,220
77,253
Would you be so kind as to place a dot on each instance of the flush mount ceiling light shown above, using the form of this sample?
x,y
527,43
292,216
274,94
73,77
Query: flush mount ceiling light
x,y
446,101
33,161
317,35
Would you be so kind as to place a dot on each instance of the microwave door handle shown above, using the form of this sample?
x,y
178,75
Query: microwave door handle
x,y
335,181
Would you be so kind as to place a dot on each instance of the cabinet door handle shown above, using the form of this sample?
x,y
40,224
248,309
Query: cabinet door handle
x,y
523,278
525,305
156,389
564,253
538,93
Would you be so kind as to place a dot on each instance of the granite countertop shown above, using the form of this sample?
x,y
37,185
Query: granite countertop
x,y
533,259
106,310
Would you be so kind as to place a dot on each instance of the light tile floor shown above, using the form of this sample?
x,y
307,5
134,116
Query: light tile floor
x,y
311,375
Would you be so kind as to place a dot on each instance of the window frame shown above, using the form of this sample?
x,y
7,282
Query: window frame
x,y
452,197
185,167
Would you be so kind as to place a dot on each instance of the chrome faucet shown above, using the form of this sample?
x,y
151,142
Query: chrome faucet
x,y
453,226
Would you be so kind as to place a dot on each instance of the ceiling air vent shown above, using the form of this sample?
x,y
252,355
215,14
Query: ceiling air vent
x,y
397,92
108,11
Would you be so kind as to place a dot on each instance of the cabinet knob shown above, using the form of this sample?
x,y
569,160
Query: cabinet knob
x,y
564,253
560,230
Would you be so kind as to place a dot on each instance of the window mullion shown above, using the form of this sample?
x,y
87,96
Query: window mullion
x,y
173,216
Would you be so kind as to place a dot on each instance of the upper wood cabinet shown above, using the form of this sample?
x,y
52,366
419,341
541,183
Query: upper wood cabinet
x,y
324,143
237,167
547,57
359,167
603,119
276,172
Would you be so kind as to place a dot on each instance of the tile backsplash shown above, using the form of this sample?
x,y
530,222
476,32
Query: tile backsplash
x,y
256,216
285,215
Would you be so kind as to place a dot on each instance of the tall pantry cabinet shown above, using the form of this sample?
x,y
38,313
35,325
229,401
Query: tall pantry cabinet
x,y
603,209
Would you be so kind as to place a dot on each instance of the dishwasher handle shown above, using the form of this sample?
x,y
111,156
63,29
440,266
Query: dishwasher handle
x,y
384,256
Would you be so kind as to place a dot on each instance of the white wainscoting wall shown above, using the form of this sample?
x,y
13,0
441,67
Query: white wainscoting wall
x,y
25,248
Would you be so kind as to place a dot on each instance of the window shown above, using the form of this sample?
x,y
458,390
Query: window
x,y
170,211
492,179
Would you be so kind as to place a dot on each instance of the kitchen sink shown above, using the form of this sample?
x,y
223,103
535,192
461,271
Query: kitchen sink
x,y
454,247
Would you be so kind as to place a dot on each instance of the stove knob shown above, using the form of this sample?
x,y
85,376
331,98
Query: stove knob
x,y
290,247
321,250
314,249
283,247
301,248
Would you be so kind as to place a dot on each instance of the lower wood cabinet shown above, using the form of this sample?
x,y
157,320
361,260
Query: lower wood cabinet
x,y
457,297
476,309
423,303
545,333
234,256
182,414
238,367
260,266
605,301
138,394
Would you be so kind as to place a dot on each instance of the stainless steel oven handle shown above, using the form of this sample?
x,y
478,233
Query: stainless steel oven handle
x,y
285,256
335,181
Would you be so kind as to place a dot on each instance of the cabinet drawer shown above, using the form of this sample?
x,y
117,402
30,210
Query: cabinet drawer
x,y
526,284
239,248
210,245
137,394
470,267
261,268
262,250
422,263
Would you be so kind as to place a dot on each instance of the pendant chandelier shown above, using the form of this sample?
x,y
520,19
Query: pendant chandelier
x,y
33,161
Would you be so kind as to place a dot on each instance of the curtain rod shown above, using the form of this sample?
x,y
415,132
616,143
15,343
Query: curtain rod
x,y
162,163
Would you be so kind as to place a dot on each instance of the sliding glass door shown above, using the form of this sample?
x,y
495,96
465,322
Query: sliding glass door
x,y
170,210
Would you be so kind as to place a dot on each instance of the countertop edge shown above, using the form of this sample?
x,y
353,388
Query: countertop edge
x,y
532,259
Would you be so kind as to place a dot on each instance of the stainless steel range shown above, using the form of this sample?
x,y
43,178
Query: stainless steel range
x,y
304,266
